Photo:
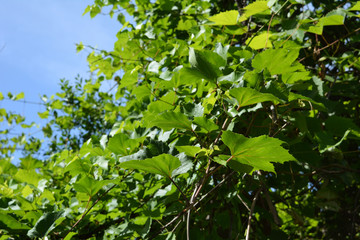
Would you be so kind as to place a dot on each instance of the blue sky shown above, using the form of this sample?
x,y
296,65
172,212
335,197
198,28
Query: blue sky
x,y
37,47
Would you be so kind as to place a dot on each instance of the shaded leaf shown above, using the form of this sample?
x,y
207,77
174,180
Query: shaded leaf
x,y
45,224
313,103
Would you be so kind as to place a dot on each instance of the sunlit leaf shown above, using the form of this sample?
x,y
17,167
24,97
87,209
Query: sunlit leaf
x,y
249,96
259,152
189,150
169,120
163,164
260,41
90,186
225,18
10,223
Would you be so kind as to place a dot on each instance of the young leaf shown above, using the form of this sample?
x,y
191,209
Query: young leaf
x,y
225,18
249,96
257,152
254,8
260,41
163,164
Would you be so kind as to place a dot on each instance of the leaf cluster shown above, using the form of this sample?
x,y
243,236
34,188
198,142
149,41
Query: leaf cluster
x,y
227,120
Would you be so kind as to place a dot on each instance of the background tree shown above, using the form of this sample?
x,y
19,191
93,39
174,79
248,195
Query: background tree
x,y
230,120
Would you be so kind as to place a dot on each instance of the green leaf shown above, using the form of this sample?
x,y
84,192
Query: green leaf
x,y
163,164
260,41
91,186
28,176
154,67
169,120
233,77
332,20
46,224
253,9
257,152
44,115
222,51
225,18
206,124
166,102
1,96
130,78
326,141
186,164
19,96
339,125
313,103
356,7
189,150
190,76
70,235
206,62
209,102
10,223
249,96
79,47
122,144
78,165
335,17
277,61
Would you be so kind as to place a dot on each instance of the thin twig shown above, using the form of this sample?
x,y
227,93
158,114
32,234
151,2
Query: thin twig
x,y
183,194
192,205
257,32
251,213
243,202
81,218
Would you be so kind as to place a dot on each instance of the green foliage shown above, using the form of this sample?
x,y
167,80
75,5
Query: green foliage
x,y
220,111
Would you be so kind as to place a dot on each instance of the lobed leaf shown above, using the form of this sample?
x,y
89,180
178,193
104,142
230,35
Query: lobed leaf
x,y
259,152
170,120
163,164
249,96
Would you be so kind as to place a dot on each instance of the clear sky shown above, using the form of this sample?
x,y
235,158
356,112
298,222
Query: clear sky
x,y
37,47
